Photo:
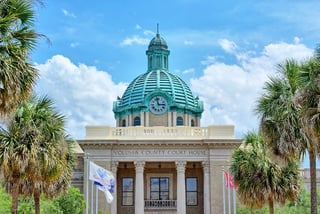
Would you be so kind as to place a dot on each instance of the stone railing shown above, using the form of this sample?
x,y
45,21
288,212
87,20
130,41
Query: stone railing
x,y
159,132
160,204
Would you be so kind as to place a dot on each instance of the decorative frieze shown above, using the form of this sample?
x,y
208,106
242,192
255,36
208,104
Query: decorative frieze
x,y
159,153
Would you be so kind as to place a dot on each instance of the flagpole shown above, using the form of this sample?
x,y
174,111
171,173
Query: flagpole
x,y
229,197
96,199
223,192
92,186
234,201
87,184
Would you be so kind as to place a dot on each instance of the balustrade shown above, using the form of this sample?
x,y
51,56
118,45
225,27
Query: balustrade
x,y
142,132
160,204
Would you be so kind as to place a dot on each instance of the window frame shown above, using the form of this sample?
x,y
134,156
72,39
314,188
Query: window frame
x,y
137,121
193,191
123,123
179,121
124,192
160,192
160,175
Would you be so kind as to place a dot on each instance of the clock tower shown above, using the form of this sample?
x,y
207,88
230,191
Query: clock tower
x,y
158,97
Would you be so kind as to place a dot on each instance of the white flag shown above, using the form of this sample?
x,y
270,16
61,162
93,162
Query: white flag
x,y
104,179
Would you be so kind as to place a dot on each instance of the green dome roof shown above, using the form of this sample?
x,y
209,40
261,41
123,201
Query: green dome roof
x,y
162,80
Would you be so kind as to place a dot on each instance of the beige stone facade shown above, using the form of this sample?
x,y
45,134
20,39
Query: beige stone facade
x,y
172,154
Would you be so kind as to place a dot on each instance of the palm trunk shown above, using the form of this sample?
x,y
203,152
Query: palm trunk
x,y
36,198
15,194
313,181
271,208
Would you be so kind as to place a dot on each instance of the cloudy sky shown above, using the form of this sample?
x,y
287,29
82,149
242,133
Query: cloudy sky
x,y
224,50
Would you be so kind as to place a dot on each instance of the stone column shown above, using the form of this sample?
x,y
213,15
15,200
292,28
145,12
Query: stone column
x,y
206,187
181,187
114,168
139,190
147,119
130,120
142,119
174,118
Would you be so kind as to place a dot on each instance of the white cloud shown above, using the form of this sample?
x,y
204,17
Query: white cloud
x,y
229,91
149,33
82,93
74,44
209,60
134,40
188,71
227,45
296,40
67,13
188,42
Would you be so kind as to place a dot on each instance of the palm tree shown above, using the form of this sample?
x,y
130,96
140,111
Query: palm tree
x,y
17,39
35,152
307,100
260,180
281,122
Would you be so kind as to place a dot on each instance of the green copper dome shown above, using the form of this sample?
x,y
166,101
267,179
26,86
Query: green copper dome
x,y
160,80
157,81
158,43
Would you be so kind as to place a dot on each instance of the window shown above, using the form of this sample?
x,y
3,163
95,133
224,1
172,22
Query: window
x,y
137,121
192,191
159,188
179,121
192,123
123,123
127,192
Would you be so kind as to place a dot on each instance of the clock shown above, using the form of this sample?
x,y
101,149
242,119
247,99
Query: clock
x,y
158,105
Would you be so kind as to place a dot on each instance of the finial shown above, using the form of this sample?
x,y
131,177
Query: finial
x,y
157,28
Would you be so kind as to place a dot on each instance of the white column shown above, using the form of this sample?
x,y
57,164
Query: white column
x,y
114,168
206,187
142,118
147,119
174,119
181,187
198,121
139,190
130,120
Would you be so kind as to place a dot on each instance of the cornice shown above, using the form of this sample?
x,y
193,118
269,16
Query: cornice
x,y
179,143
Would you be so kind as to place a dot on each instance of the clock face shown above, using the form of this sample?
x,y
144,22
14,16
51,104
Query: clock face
x,y
158,105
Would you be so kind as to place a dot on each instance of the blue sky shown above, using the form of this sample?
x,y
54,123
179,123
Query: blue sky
x,y
224,50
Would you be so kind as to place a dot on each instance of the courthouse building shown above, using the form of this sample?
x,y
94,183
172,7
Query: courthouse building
x,y
164,162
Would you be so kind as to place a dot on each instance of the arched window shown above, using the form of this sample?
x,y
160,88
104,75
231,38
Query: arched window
x,y
123,124
137,121
179,121
192,123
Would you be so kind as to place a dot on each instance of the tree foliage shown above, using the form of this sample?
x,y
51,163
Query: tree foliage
x,y
35,155
289,109
17,39
301,206
261,180
71,202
